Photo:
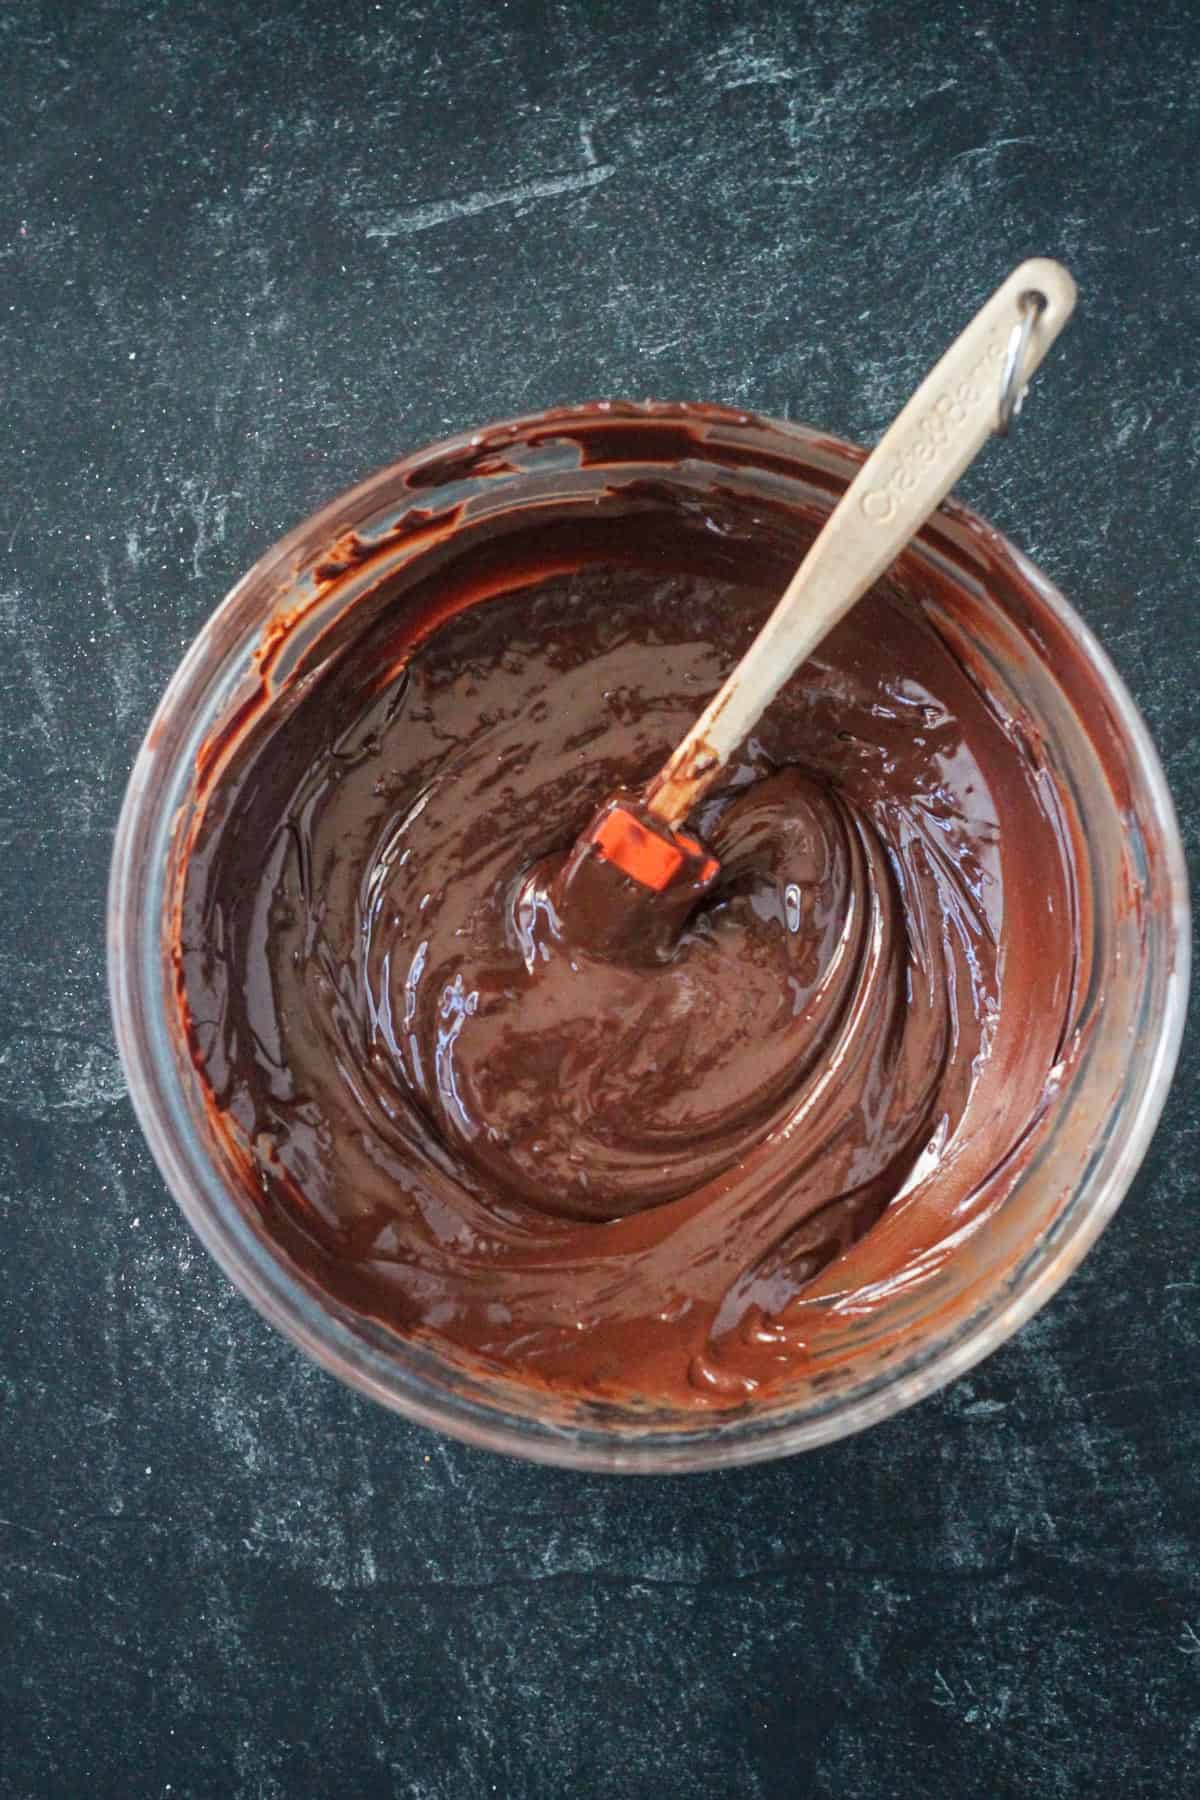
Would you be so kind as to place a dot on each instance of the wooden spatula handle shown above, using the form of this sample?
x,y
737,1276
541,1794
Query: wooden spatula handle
x,y
907,475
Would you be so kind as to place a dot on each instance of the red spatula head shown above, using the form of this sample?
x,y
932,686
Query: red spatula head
x,y
646,851
630,882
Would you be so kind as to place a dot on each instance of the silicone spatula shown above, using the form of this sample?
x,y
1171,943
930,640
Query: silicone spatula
x,y
970,393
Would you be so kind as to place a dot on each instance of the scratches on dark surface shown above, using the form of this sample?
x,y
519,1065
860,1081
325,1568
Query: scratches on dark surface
x,y
440,212
248,255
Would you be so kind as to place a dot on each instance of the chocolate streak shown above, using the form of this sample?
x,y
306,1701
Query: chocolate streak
x,y
625,1175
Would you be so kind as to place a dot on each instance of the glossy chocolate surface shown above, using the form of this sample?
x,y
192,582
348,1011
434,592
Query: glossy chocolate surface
x,y
626,1163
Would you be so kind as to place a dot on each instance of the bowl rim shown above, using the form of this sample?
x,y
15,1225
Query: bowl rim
x,y
934,1365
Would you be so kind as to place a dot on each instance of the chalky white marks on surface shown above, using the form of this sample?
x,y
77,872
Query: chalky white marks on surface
x,y
44,1075
994,147
961,1698
1049,1389
21,640
70,684
86,1416
410,219
64,690
120,653
236,1431
209,513
984,1409
187,503
739,64
29,1551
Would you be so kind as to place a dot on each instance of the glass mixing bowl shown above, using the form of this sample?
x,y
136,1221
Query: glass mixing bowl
x,y
1129,1019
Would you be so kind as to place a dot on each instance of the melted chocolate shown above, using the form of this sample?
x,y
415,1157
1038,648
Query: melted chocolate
x,y
623,1164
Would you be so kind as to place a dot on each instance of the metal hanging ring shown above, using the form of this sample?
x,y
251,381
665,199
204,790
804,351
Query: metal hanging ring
x,y
1013,381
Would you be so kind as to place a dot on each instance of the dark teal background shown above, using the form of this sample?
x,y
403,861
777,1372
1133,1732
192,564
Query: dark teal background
x,y
248,253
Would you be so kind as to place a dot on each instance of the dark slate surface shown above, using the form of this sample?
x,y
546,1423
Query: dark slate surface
x,y
247,253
